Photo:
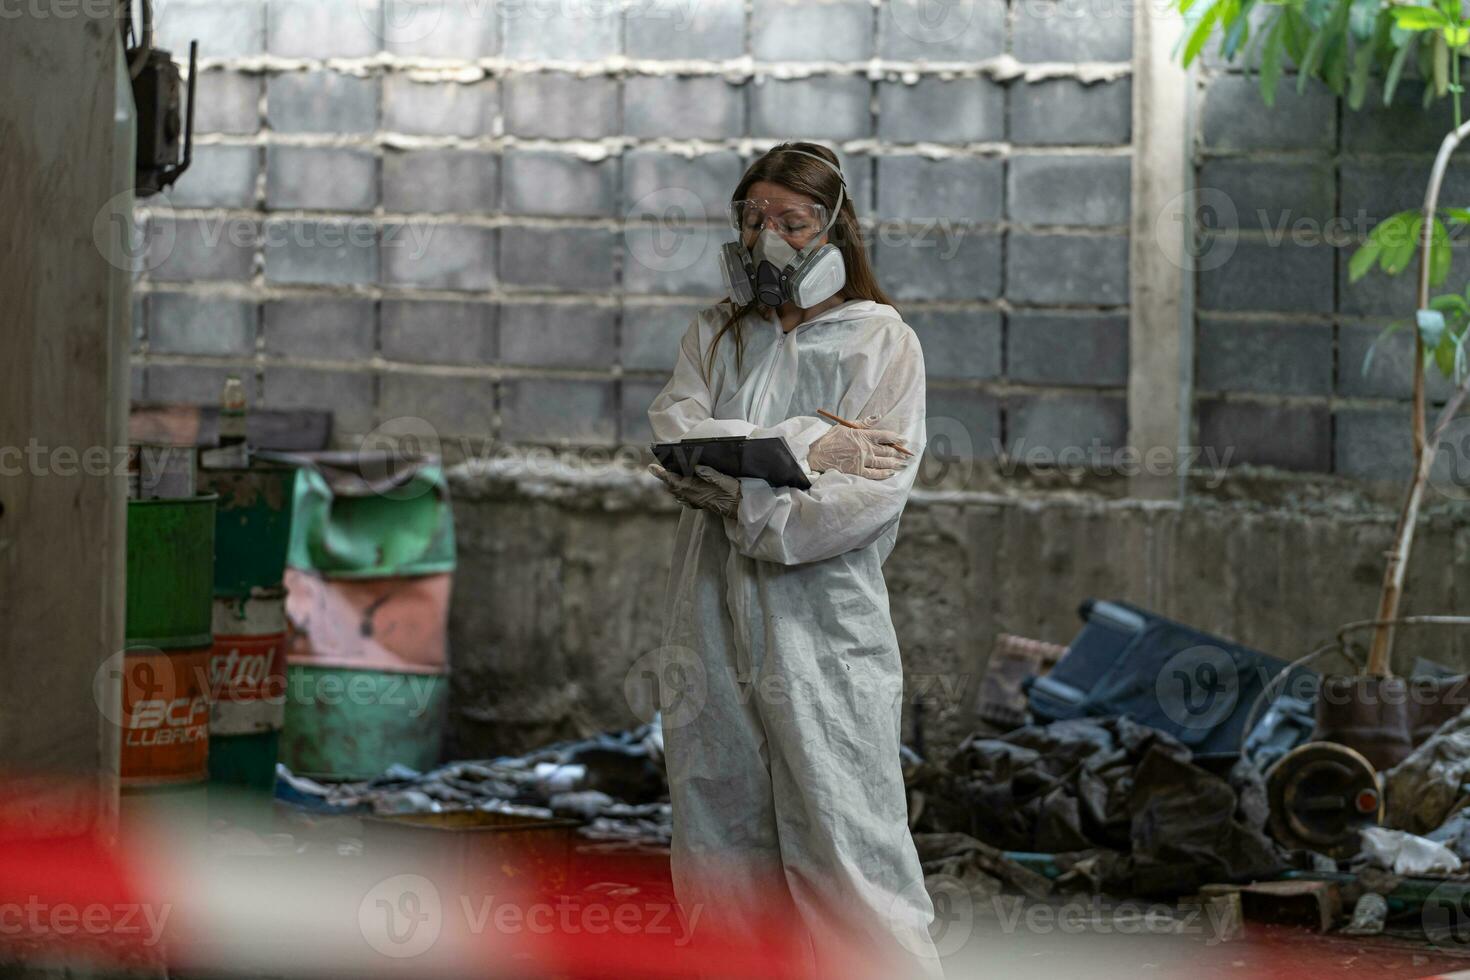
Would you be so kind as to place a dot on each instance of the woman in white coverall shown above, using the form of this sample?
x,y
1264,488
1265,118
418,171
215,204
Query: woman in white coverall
x,y
782,742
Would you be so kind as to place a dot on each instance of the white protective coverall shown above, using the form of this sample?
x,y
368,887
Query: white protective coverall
x,y
784,760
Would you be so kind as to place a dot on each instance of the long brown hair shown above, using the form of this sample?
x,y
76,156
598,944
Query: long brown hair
x,y
806,176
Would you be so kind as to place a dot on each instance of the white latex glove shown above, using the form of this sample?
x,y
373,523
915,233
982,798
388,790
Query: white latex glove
x,y
861,452
708,489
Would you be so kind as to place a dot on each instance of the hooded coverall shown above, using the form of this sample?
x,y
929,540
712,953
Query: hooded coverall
x,y
783,755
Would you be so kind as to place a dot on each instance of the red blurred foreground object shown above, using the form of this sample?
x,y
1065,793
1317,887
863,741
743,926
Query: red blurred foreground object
x,y
211,895
72,897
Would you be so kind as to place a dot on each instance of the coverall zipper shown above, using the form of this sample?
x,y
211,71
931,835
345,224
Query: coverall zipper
x,y
760,403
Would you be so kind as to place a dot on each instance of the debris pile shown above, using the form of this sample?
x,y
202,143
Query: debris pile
x,y
614,782
1116,769
1126,805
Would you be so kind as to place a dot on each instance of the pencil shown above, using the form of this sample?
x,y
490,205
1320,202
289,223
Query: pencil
x,y
853,425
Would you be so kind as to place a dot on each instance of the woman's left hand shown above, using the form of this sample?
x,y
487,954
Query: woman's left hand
x,y
708,489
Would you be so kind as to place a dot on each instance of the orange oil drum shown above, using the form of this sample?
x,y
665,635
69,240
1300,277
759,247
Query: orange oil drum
x,y
165,716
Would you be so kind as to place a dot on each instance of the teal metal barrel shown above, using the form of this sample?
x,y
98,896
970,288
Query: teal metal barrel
x,y
370,569
349,723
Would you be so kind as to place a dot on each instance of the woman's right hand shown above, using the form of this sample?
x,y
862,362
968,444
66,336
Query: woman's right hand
x,y
865,452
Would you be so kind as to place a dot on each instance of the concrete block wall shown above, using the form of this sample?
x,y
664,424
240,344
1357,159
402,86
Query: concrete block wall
x,y
1288,194
500,216
570,567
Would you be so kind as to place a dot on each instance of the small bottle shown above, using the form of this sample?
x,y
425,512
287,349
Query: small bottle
x,y
232,449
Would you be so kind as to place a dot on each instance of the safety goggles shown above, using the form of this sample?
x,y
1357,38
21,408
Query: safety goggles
x,y
789,219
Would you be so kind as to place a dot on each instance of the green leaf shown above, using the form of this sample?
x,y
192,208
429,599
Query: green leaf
x,y
1297,35
1237,21
1395,238
1418,18
1456,36
1382,26
1363,259
1452,303
1257,36
1307,67
1335,51
1358,82
1199,23
1363,18
1459,216
1271,61
1402,254
1388,331
1395,68
1439,253
1439,69
1444,354
1334,62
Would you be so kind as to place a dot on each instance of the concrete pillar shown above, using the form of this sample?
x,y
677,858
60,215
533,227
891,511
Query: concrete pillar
x,y
66,128
1160,273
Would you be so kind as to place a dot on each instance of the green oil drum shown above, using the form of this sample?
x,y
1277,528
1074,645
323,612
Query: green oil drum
x,y
170,567
252,525
350,723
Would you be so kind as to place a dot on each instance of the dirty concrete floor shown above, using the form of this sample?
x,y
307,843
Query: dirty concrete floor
x,y
1071,936
1265,951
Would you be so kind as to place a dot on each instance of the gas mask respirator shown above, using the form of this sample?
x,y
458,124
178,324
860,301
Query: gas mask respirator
x,y
773,272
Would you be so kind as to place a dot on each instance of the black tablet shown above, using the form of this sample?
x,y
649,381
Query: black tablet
x,y
766,459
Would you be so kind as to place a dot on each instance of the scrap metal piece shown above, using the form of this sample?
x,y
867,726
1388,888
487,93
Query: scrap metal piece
x,y
1369,916
1322,795
1315,904
1369,714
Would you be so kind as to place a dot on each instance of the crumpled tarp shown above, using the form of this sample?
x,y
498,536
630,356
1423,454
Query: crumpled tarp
x,y
1126,804
1454,833
981,868
1424,789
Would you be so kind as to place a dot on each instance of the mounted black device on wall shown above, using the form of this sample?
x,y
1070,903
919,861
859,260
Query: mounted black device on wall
x,y
165,133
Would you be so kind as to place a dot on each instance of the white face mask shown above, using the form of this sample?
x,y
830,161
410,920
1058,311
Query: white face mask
x,y
771,253
817,274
